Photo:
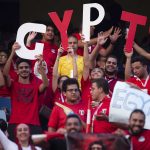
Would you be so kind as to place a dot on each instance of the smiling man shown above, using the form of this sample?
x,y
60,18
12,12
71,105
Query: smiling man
x,y
140,77
24,93
138,135
111,69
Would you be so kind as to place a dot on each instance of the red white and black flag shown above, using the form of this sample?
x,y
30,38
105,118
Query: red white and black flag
x,y
80,141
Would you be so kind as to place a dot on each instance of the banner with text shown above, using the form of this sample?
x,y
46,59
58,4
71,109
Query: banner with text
x,y
124,100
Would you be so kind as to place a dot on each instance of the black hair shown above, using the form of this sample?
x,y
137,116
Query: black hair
x,y
139,59
111,56
46,23
137,111
72,115
73,36
98,143
102,83
3,51
61,77
3,125
68,82
20,60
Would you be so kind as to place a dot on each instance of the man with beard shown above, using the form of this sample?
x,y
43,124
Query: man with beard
x,y
111,69
138,135
24,93
73,123
56,141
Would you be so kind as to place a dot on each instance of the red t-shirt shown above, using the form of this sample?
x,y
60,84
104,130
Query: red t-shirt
x,y
86,88
58,96
49,55
141,141
24,102
81,50
46,98
4,92
102,126
141,83
112,82
58,117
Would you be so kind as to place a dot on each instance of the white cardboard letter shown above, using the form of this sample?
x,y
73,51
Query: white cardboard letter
x,y
86,23
23,52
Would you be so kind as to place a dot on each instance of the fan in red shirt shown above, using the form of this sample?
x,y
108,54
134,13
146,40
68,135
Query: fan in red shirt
x,y
57,80
99,92
138,136
111,69
88,63
110,75
24,92
50,49
4,91
140,77
72,104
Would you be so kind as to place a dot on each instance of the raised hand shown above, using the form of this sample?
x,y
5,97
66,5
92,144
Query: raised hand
x,y
114,37
102,38
30,37
15,47
108,32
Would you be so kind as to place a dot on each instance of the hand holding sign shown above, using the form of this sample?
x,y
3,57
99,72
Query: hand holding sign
x,y
30,37
15,47
124,100
134,20
128,54
23,52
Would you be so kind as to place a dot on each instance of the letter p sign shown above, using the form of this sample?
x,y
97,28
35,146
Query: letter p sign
x,y
86,23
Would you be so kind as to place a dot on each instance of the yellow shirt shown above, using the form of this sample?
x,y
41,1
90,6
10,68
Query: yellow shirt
x,y
66,67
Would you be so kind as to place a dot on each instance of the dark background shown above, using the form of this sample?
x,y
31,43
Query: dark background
x,y
15,12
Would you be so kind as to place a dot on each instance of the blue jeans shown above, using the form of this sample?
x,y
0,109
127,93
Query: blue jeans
x,y
5,103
